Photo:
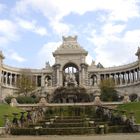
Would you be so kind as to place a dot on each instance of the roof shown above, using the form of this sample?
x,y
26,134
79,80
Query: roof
x,y
70,46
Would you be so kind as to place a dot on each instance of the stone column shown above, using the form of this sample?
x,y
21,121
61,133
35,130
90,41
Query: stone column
x,y
131,77
120,77
125,78
15,82
57,66
83,75
134,76
10,79
42,80
115,77
83,70
2,77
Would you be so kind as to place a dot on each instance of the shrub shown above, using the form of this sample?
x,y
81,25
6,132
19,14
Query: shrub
x,y
23,99
26,100
8,99
133,97
108,92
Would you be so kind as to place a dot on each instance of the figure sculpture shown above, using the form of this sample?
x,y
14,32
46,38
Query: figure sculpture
x,y
70,79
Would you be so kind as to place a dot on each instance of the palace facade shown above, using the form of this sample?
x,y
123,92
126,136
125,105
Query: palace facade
x,y
70,68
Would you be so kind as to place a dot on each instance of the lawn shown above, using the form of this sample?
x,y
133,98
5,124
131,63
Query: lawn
x,y
6,109
132,107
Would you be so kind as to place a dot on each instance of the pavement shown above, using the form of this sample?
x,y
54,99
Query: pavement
x,y
76,137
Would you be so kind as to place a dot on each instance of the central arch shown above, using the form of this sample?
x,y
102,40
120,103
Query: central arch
x,y
70,74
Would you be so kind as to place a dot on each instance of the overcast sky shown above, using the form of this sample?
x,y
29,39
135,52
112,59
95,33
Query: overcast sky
x,y
30,30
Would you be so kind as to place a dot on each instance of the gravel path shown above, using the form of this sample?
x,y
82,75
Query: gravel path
x,y
91,137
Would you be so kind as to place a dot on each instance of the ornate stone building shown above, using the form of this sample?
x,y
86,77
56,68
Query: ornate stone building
x,y
70,68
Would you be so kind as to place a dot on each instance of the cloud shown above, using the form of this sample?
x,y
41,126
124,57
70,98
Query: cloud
x,y
57,9
8,31
32,26
113,48
45,54
108,32
14,56
89,59
60,28
111,29
113,44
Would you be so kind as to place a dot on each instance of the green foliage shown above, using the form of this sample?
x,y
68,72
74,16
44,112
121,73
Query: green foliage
x,y
133,97
8,99
26,82
27,100
132,107
23,99
6,109
108,92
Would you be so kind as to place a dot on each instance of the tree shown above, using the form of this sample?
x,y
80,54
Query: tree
x,y
133,97
108,92
26,82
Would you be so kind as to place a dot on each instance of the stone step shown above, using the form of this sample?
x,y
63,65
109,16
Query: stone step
x,y
62,125
68,120
53,131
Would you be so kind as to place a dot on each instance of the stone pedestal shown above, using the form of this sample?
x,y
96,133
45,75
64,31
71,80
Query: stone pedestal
x,y
43,101
13,102
126,98
97,101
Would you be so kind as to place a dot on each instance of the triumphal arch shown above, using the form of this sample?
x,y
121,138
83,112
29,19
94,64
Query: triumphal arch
x,y
71,70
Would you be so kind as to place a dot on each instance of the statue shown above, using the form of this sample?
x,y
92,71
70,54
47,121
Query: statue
x,y
13,102
126,98
70,79
91,81
42,101
47,64
97,101
47,81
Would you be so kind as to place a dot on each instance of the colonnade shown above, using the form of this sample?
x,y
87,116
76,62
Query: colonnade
x,y
124,77
11,79
120,78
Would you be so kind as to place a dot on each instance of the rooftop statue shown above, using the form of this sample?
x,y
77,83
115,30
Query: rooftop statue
x,y
48,64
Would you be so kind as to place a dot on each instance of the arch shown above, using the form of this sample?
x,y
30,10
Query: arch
x,y
70,64
70,74
48,80
93,79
